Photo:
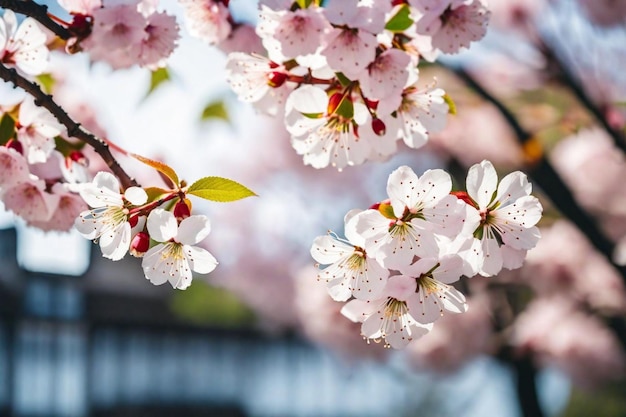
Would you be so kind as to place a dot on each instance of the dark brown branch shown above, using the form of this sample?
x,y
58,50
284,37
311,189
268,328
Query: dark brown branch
x,y
567,78
549,180
38,12
555,188
74,129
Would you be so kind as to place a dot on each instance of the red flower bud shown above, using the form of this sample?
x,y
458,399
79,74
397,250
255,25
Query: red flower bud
x,y
140,244
276,79
378,126
181,210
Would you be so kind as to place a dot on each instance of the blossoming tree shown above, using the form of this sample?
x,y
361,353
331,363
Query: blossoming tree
x,y
351,84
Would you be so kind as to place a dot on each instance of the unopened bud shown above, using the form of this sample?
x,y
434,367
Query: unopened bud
x,y
16,145
378,126
181,210
276,79
140,244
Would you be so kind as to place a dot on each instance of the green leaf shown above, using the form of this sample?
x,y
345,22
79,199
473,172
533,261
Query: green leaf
x,y
46,81
346,108
215,110
313,115
155,193
401,21
159,166
7,129
345,81
450,103
219,189
157,78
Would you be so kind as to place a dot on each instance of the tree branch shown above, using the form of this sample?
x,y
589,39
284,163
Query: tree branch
x,y
74,129
549,180
38,12
543,173
566,77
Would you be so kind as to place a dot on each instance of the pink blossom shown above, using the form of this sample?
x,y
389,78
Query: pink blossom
x,y
386,76
13,168
67,210
117,27
37,129
301,32
162,31
453,24
560,335
29,200
207,20
244,39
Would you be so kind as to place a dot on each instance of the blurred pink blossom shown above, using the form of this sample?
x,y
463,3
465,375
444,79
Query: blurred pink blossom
x,y
562,336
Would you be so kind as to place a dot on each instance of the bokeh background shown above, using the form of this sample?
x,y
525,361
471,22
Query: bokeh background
x,y
83,336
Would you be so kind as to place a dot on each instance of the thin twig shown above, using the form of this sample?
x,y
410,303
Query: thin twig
x,y
74,129
38,12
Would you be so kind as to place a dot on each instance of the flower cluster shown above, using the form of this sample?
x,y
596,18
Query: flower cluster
x,y
123,34
400,258
118,221
37,180
346,74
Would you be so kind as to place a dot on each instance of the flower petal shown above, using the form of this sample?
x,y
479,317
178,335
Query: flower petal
x,y
193,229
200,260
162,225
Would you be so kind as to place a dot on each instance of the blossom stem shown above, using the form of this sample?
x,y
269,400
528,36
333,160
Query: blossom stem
x,y
58,20
38,12
74,129
308,79
147,208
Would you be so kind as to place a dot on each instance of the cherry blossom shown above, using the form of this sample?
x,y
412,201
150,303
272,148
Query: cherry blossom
x,y
386,76
453,24
176,256
207,20
422,111
298,32
13,168
433,292
69,206
405,225
508,217
108,220
23,45
36,132
391,318
162,34
325,138
29,200
350,271
254,77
